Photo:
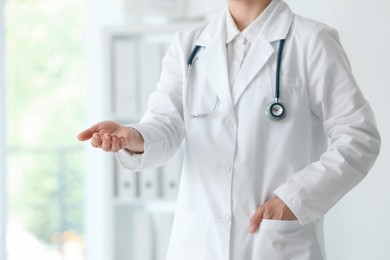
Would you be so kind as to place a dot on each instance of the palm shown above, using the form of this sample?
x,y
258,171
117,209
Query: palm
x,y
106,127
112,137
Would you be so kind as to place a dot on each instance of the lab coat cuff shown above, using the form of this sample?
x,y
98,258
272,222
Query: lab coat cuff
x,y
293,203
127,160
138,162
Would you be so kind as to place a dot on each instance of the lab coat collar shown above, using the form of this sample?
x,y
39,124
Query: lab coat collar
x,y
214,58
213,32
278,25
230,27
213,38
275,28
252,31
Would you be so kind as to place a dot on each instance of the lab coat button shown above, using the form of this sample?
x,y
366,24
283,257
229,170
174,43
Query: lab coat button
x,y
226,219
227,167
229,121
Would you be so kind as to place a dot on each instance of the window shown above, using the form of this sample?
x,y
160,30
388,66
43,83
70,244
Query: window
x,y
44,79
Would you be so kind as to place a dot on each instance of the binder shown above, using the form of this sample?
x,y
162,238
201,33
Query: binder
x,y
171,176
125,238
163,224
125,76
143,236
149,184
126,184
149,69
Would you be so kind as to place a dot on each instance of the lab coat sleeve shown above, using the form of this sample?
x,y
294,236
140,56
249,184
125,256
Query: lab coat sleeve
x,y
162,125
349,124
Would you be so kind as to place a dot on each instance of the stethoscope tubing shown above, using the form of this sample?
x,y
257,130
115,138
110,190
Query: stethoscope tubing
x,y
192,55
278,65
276,110
187,87
279,113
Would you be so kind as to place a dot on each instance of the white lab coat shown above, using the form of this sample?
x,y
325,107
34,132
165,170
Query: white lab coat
x,y
236,158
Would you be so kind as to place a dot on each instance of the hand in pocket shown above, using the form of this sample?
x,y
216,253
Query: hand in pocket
x,y
274,209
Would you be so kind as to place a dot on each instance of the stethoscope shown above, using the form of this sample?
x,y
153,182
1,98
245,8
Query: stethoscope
x,y
275,110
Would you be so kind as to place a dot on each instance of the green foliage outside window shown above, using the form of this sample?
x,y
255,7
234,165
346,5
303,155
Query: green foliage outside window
x,y
44,76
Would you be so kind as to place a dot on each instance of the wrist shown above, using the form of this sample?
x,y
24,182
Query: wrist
x,y
135,145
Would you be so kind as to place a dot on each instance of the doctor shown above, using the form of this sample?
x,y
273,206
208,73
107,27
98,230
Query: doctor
x,y
275,131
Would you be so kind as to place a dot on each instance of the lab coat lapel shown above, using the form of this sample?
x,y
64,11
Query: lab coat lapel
x,y
259,54
215,60
276,28
217,71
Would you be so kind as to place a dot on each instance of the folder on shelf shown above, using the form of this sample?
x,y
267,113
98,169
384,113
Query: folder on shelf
x,y
126,183
144,246
149,184
162,221
150,70
126,76
171,176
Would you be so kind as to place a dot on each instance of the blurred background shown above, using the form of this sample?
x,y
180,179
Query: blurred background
x,y
67,64
44,75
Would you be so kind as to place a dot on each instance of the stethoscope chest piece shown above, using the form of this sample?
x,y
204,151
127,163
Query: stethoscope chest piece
x,y
276,111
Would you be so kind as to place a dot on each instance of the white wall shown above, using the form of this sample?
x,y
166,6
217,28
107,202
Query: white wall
x,y
2,138
358,227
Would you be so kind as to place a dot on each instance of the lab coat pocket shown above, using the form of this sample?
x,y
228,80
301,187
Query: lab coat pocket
x,y
290,83
189,235
290,87
285,240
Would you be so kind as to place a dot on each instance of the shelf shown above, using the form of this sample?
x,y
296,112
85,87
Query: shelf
x,y
158,205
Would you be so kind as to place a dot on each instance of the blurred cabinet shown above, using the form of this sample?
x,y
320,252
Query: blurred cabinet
x,y
143,202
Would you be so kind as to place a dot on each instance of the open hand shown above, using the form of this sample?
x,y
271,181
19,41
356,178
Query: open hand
x,y
111,137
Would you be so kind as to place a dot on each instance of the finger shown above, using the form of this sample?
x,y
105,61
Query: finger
x,y
96,140
106,142
256,219
115,144
88,133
